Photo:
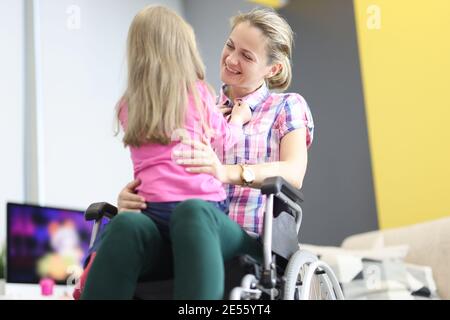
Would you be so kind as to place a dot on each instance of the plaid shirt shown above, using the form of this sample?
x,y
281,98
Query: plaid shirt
x,y
273,116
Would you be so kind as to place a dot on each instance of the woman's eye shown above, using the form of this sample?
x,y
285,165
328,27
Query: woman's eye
x,y
229,45
247,57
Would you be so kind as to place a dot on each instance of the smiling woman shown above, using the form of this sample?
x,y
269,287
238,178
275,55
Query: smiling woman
x,y
254,52
244,62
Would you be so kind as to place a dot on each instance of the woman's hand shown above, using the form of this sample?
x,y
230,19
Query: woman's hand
x,y
128,200
201,158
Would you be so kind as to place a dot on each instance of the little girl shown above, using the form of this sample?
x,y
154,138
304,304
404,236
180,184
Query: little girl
x,y
166,99
166,93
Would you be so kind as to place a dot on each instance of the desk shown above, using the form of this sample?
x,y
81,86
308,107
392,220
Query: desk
x,y
32,292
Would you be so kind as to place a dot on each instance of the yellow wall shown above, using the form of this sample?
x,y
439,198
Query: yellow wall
x,y
276,4
405,63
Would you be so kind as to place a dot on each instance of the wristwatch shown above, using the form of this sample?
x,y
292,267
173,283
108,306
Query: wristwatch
x,y
247,175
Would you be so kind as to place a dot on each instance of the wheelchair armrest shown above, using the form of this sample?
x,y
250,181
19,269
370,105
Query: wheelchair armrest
x,y
99,210
277,185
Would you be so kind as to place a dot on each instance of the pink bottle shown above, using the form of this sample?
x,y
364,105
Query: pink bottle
x,y
47,286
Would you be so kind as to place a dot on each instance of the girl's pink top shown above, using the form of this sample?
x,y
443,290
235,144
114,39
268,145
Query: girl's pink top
x,y
162,179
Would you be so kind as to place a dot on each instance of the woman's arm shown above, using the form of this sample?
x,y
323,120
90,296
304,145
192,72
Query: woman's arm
x,y
291,167
292,164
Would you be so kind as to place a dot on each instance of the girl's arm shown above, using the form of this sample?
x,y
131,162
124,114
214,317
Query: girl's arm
x,y
225,133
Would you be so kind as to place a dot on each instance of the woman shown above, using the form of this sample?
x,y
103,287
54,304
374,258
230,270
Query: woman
x,y
256,58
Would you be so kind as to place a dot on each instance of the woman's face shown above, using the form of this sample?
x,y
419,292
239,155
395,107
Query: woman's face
x,y
243,64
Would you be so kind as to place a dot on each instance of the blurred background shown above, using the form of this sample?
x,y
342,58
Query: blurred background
x,y
375,74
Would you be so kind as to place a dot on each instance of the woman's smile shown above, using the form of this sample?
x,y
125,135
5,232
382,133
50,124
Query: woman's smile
x,y
231,70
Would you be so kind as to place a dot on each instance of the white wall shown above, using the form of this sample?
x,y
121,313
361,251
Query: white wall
x,y
12,88
83,45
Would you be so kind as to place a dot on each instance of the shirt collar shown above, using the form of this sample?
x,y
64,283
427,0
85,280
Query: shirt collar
x,y
253,99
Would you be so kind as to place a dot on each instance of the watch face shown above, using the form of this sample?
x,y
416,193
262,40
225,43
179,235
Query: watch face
x,y
248,175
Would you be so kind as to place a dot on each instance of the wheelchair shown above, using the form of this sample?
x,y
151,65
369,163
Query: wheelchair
x,y
287,272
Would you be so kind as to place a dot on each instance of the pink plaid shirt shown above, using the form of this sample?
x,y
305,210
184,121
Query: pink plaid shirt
x,y
273,116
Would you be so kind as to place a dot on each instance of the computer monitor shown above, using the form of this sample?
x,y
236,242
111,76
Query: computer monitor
x,y
45,242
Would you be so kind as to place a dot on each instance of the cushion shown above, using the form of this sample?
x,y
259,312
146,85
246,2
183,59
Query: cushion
x,y
380,273
429,245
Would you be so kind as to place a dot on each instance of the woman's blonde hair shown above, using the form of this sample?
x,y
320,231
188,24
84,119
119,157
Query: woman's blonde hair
x,y
163,67
280,40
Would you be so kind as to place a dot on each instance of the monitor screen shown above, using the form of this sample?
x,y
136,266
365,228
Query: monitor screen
x,y
44,242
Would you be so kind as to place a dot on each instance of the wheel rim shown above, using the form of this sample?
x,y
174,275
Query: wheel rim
x,y
301,278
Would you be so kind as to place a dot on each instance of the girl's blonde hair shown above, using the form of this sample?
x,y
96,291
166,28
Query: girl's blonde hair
x,y
163,67
280,40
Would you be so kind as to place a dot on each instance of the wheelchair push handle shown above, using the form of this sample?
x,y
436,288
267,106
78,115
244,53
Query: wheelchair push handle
x,y
98,210
277,185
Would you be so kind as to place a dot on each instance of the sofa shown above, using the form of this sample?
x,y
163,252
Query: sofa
x,y
428,245
410,262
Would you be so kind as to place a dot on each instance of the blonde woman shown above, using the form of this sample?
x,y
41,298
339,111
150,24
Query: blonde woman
x,y
166,100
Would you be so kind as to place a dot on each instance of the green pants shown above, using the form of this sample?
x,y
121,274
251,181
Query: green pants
x,y
202,238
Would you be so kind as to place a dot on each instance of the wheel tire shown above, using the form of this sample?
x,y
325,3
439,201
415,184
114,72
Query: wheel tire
x,y
298,260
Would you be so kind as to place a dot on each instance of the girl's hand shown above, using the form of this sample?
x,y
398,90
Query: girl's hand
x,y
201,158
241,113
128,200
225,110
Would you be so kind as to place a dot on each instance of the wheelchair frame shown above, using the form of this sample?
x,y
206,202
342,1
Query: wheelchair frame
x,y
303,271
293,284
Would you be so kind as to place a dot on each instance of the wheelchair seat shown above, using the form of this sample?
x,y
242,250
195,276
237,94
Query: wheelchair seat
x,y
235,270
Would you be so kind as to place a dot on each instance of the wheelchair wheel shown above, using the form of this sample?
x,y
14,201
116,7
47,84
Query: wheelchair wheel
x,y
308,278
247,290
